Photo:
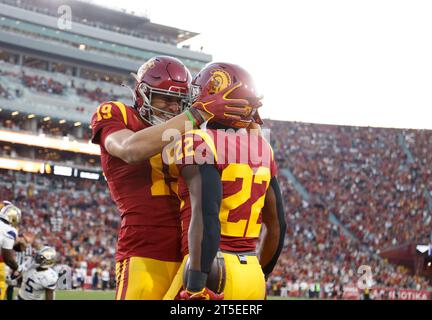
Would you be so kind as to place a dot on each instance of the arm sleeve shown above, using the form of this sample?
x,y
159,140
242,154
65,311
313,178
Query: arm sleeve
x,y
211,202
268,268
204,228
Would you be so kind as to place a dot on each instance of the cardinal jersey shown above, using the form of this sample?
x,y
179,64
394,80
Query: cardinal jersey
x,y
35,283
246,165
142,192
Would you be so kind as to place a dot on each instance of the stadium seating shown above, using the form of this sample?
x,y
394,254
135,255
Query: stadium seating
x,y
371,181
75,216
71,88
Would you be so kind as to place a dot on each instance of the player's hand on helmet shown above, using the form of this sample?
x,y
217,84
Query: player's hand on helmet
x,y
204,294
218,105
257,118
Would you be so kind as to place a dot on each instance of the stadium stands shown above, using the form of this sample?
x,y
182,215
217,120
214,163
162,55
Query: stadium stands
x,y
350,192
364,177
72,88
332,163
74,215
50,9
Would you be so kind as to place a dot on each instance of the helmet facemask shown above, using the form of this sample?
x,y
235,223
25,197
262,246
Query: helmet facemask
x,y
154,115
195,92
46,257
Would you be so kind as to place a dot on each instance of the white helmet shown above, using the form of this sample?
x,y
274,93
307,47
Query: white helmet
x,y
46,257
10,214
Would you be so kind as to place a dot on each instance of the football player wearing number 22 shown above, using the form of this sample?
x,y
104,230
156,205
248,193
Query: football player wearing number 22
x,y
228,189
140,184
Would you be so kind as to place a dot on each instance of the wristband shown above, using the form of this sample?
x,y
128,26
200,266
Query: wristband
x,y
199,119
191,118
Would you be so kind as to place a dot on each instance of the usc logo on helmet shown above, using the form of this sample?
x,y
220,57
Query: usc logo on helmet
x,y
146,66
222,80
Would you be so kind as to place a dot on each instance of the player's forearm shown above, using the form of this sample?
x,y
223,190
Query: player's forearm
x,y
204,228
195,236
150,141
203,237
211,201
269,244
275,228
9,259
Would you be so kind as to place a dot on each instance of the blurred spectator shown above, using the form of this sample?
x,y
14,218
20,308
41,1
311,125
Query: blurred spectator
x,y
365,177
82,220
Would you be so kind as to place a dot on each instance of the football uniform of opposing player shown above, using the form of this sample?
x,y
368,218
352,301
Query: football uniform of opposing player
x,y
130,139
39,280
10,217
227,188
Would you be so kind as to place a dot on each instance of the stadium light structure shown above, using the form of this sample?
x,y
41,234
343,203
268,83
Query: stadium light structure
x,y
63,171
49,142
47,119
15,113
18,165
77,124
30,116
62,121
89,175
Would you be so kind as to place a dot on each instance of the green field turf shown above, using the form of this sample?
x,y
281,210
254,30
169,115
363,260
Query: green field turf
x,y
85,295
98,295
104,295
82,295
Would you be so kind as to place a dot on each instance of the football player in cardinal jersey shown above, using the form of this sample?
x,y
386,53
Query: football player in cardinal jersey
x,y
130,139
228,189
39,280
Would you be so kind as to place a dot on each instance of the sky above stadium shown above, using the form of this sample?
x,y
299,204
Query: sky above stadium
x,y
346,62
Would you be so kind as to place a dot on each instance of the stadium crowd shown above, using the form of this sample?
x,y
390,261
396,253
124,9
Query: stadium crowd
x,y
365,178
375,182
5,93
42,84
76,216
50,85
97,94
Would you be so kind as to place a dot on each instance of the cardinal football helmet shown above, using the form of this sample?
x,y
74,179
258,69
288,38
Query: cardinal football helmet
x,y
224,75
162,75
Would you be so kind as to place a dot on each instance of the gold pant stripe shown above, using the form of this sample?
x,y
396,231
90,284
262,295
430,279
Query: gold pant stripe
x,y
120,277
145,278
